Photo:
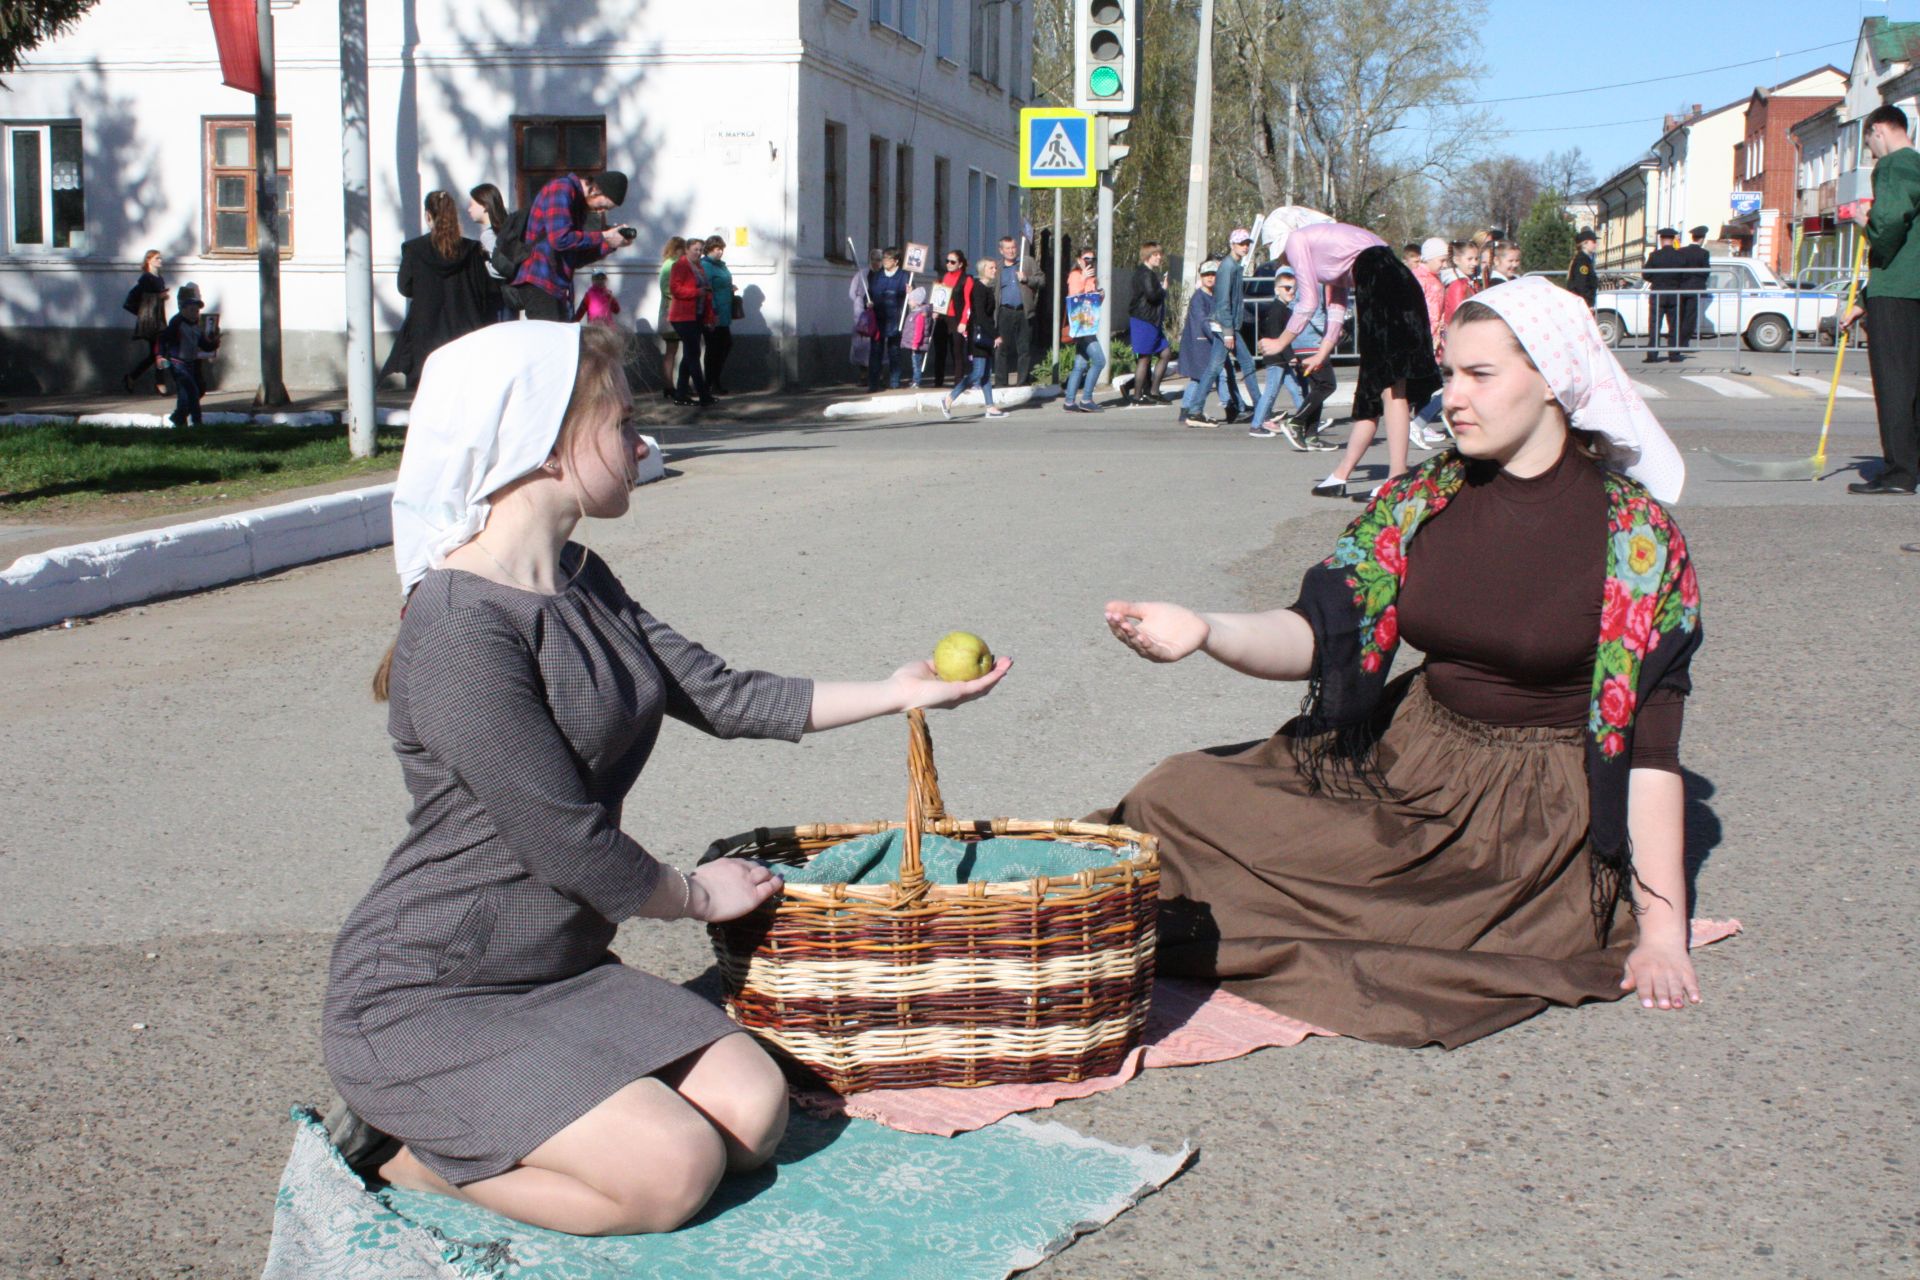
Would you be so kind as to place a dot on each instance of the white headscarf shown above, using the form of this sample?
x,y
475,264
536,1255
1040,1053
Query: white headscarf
x,y
1283,222
487,412
1558,334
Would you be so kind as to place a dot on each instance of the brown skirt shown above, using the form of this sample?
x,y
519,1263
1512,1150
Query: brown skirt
x,y
1458,904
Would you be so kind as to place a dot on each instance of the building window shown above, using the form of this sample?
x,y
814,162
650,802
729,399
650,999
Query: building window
x,y
990,234
995,40
899,15
943,30
942,195
973,214
903,194
549,147
46,187
1016,225
977,37
835,221
232,185
878,162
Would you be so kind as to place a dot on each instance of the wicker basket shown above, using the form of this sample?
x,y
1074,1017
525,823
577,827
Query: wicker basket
x,y
893,986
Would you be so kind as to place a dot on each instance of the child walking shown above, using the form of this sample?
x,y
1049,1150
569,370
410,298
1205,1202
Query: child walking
x,y
185,346
599,306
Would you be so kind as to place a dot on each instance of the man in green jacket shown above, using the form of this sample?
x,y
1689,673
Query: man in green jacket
x,y
1892,300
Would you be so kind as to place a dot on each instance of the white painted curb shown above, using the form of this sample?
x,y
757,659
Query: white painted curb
x,y
93,577
160,421
885,404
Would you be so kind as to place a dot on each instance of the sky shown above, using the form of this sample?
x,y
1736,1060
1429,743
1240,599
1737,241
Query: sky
x,y
1532,47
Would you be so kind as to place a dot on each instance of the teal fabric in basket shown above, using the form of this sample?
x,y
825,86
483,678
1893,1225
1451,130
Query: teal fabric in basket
x,y
875,859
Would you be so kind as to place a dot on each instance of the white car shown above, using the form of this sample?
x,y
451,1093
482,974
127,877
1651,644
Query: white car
x,y
1743,296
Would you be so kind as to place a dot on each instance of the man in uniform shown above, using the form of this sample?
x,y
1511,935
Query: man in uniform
x,y
1665,272
1580,277
1698,263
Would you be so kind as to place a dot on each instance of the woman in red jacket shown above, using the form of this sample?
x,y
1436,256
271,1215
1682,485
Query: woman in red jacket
x,y
690,312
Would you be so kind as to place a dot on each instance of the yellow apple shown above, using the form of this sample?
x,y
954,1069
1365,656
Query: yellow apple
x,y
961,655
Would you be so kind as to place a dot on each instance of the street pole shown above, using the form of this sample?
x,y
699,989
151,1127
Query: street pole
x,y
266,147
356,195
1197,173
1103,273
1059,280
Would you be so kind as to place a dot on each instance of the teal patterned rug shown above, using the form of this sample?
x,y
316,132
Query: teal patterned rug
x,y
875,859
842,1200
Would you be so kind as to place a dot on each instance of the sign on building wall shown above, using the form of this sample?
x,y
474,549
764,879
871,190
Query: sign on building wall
x,y
1745,203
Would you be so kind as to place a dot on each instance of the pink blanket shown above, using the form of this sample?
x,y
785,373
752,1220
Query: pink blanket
x,y
1190,1024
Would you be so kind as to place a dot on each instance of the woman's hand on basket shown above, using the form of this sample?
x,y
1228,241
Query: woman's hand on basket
x,y
729,888
919,686
1157,632
1663,976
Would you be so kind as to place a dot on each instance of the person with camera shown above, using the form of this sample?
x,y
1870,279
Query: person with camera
x,y
561,243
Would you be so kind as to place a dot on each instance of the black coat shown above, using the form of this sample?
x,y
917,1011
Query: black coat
x,y
1696,257
446,299
1666,274
150,321
1580,278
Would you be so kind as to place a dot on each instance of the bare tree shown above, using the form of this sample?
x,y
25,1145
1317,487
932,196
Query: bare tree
x,y
1496,191
1565,173
1382,85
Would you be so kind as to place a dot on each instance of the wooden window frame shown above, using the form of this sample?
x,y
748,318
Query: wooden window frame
x,y
834,192
46,203
212,172
529,179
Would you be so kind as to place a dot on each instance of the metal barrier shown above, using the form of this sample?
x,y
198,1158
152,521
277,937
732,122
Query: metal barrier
x,y
1824,280
1737,311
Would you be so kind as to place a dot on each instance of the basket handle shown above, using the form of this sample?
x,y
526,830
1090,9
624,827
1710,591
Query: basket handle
x,y
923,796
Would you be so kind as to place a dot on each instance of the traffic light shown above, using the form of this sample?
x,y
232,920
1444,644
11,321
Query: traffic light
x,y
1107,146
1106,41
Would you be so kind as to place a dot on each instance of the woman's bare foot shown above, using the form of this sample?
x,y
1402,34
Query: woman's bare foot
x,y
405,1171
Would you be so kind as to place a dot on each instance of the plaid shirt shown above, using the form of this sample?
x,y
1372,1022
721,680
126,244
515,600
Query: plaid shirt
x,y
560,246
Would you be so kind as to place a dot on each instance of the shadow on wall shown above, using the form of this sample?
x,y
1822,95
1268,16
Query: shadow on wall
x,y
125,216
494,80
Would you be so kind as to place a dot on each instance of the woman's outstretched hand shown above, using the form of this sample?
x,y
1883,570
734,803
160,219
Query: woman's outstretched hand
x,y
919,686
1157,632
1663,976
729,888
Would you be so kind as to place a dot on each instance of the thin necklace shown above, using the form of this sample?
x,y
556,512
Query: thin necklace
x,y
517,579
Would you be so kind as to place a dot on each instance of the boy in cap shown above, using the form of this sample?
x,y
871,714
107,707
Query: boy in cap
x,y
557,230
1666,273
184,346
1197,346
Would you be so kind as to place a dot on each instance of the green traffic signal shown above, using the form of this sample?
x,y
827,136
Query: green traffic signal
x,y
1103,82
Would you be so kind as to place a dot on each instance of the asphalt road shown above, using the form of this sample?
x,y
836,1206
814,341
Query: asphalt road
x,y
200,789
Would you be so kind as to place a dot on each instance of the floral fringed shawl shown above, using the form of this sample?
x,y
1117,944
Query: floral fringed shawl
x,y
1649,630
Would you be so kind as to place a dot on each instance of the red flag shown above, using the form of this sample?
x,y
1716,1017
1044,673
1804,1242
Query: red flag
x,y
236,29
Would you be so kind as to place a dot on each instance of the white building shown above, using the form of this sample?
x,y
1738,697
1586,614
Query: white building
x,y
787,126
1693,168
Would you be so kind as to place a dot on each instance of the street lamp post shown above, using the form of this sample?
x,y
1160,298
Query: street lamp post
x,y
1198,172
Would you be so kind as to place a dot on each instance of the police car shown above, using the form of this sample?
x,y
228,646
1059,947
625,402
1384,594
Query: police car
x,y
1743,296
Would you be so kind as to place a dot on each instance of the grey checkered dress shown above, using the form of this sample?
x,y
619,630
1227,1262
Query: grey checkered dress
x,y
473,1009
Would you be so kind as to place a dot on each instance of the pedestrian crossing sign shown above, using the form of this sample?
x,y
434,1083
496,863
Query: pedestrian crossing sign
x,y
1056,148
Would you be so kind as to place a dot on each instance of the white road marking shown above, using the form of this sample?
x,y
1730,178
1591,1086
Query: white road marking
x,y
1820,385
1647,391
1726,386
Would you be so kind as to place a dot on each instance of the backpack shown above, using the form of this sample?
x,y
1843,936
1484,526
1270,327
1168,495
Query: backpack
x,y
511,248
132,303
